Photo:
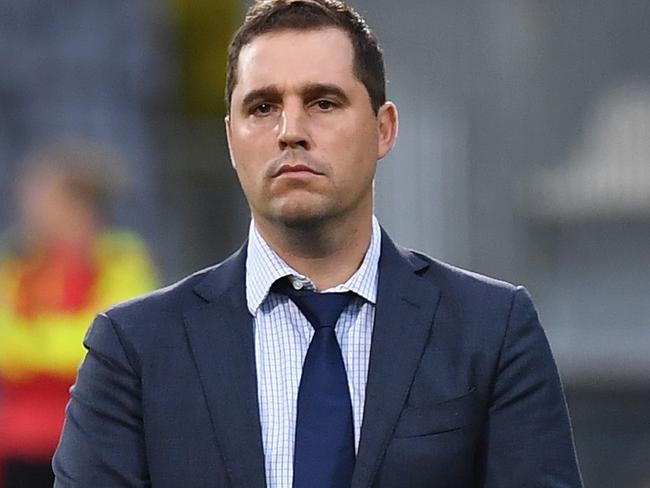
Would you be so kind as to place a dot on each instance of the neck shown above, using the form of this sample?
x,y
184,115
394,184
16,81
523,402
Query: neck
x,y
327,253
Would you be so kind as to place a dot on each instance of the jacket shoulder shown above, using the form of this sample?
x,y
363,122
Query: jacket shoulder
x,y
470,293
169,303
457,277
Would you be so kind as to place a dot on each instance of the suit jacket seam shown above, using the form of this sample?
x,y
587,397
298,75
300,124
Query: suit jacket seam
x,y
504,337
122,341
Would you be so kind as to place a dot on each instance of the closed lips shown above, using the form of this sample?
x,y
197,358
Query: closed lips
x,y
295,168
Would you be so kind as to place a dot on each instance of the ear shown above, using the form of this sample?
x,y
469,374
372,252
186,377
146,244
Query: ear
x,y
228,130
387,125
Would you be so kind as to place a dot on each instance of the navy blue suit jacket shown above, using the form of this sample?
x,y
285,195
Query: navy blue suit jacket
x,y
462,389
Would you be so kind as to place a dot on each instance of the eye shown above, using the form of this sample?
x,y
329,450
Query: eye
x,y
262,109
325,105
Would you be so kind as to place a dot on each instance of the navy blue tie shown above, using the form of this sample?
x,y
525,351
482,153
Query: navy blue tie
x,y
324,445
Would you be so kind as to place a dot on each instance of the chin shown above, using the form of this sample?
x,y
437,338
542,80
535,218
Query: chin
x,y
301,216
301,221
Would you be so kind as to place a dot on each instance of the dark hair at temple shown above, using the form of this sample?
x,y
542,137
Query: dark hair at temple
x,y
275,15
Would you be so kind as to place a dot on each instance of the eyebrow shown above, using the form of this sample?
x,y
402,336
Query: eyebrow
x,y
309,91
317,90
268,93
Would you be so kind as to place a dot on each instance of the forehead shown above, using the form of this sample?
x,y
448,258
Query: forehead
x,y
296,57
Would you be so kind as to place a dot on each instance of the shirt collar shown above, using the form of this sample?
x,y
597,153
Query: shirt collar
x,y
264,267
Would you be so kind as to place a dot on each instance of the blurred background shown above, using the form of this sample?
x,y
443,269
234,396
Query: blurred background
x,y
523,153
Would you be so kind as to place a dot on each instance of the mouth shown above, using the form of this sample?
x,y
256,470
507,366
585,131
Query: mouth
x,y
295,170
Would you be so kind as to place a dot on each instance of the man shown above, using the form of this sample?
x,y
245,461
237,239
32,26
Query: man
x,y
448,380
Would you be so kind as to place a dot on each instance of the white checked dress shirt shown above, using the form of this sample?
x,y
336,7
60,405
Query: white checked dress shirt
x,y
282,337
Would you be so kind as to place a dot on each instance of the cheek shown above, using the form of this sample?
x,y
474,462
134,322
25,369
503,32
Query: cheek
x,y
247,179
249,168
356,145
253,143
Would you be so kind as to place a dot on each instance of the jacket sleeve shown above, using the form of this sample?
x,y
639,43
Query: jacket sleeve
x,y
527,438
102,443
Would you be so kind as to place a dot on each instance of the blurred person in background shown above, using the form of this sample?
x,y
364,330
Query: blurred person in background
x,y
58,268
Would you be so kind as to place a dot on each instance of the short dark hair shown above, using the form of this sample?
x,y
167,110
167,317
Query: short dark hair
x,y
275,15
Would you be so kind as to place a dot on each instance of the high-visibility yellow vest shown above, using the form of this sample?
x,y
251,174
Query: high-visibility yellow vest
x,y
51,343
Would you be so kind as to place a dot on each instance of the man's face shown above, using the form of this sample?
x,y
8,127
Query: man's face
x,y
303,137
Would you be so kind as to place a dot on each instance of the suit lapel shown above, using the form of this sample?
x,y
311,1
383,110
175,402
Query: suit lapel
x,y
406,305
220,332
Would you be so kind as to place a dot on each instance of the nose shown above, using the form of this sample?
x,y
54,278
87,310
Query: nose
x,y
293,131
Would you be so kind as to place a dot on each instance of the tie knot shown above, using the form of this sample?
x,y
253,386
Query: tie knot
x,y
320,309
